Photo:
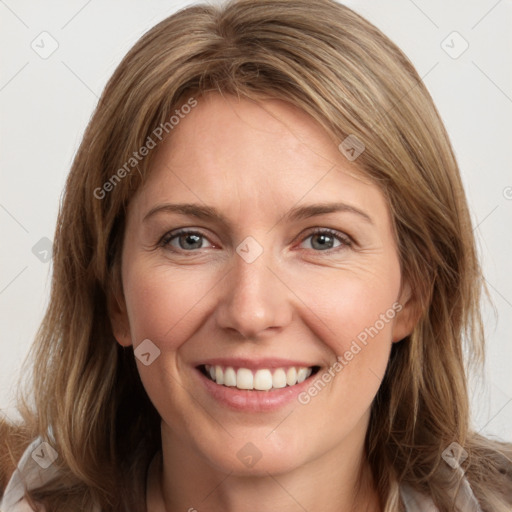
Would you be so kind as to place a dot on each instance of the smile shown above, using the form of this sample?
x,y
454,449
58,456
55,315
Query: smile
x,y
262,379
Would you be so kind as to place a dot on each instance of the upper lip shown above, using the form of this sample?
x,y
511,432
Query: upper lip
x,y
254,364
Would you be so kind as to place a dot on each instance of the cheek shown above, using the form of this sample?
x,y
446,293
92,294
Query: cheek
x,y
163,303
354,318
347,306
354,311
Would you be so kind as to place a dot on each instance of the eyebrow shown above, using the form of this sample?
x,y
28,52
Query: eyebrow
x,y
295,214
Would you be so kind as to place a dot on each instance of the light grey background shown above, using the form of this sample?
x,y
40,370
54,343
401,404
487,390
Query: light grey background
x,y
46,103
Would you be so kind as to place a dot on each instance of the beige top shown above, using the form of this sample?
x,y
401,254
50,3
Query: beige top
x,y
35,468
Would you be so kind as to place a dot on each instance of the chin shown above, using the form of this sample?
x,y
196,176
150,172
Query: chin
x,y
257,457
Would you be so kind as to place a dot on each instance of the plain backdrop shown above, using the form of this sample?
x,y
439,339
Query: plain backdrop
x,y
58,55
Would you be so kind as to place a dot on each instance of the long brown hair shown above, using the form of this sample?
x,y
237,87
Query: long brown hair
x,y
86,398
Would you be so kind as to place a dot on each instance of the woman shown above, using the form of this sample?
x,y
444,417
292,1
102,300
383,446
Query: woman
x,y
263,272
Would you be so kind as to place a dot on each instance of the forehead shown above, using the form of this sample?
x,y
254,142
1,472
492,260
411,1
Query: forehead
x,y
252,155
226,129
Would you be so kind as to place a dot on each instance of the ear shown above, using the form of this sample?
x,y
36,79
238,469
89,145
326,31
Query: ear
x,y
119,319
408,314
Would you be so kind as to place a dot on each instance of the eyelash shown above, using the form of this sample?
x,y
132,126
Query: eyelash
x,y
346,241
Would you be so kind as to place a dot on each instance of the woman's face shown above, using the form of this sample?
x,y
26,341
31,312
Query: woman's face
x,y
289,262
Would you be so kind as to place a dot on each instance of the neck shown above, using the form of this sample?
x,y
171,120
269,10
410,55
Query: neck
x,y
185,481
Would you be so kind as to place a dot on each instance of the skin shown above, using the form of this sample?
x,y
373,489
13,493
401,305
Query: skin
x,y
254,161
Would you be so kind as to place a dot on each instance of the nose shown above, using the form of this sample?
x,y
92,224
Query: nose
x,y
254,302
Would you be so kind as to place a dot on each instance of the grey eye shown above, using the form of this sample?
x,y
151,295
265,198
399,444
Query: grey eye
x,y
186,241
323,240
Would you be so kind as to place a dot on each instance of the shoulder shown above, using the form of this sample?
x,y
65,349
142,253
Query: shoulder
x,y
14,440
21,506
33,470
415,501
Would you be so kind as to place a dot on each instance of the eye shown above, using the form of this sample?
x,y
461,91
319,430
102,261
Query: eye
x,y
184,240
323,239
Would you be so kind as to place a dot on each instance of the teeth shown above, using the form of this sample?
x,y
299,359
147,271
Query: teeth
x,y
291,376
279,378
229,377
302,374
262,380
219,375
244,378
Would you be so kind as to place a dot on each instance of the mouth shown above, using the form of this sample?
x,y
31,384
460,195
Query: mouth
x,y
261,379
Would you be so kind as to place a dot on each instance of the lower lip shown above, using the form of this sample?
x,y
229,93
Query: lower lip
x,y
253,400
